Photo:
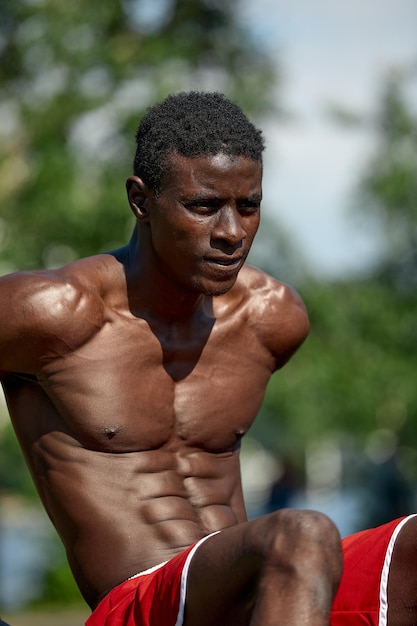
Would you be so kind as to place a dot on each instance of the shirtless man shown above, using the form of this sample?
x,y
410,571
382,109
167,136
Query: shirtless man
x,y
132,376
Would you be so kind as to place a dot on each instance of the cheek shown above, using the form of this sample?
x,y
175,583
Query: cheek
x,y
252,229
174,243
172,230
190,236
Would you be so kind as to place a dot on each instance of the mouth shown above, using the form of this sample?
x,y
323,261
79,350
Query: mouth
x,y
224,261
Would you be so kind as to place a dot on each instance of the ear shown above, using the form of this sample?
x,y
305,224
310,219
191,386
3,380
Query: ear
x,y
138,194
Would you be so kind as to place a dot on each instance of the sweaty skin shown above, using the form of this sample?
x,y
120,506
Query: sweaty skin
x,y
132,376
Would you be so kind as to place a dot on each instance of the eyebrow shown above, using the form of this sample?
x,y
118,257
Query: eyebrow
x,y
203,197
254,197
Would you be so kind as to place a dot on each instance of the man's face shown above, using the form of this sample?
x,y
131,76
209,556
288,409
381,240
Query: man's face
x,y
205,218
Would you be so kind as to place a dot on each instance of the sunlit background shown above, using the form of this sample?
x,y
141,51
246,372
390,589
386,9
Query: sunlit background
x,y
333,57
333,85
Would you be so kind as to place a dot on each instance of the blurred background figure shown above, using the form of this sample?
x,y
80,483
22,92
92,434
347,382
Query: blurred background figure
x,y
390,493
284,488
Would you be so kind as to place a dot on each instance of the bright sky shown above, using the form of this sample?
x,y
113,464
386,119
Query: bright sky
x,y
330,53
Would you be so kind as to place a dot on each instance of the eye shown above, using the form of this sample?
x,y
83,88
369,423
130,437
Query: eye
x,y
203,207
249,208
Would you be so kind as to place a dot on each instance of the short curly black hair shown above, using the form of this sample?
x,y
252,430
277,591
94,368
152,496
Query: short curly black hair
x,y
192,124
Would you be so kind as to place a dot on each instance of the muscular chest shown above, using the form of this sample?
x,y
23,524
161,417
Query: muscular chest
x,y
128,389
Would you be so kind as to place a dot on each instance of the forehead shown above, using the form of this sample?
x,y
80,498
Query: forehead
x,y
212,172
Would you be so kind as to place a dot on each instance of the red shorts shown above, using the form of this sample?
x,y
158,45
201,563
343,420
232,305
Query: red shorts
x,y
155,597
362,596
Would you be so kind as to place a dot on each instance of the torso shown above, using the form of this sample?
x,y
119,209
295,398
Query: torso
x,y
132,433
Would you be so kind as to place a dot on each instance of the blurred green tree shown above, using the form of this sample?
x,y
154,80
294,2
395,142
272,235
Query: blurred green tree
x,y
355,376
389,187
75,80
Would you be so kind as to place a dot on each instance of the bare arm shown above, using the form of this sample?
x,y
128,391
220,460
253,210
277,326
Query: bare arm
x,y
37,312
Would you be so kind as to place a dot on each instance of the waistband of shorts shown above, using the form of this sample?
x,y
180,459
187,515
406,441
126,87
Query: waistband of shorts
x,y
154,568
148,571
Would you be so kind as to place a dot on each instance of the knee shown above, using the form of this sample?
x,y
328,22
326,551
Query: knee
x,y
291,528
312,529
292,538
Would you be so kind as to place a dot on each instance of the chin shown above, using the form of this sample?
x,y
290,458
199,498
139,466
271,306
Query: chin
x,y
216,289
217,292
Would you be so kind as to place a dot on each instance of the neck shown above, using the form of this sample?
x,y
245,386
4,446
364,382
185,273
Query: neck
x,y
150,290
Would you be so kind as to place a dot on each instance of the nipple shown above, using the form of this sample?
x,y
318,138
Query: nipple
x,y
238,442
112,431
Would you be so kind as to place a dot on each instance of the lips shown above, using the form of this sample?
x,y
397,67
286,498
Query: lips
x,y
224,261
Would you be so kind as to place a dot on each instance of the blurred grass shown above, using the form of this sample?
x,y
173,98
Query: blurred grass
x,y
73,617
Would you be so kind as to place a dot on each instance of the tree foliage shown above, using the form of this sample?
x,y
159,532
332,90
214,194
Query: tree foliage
x,y
355,375
76,78
389,186
355,372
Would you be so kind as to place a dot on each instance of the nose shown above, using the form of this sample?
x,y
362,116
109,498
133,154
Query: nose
x,y
229,227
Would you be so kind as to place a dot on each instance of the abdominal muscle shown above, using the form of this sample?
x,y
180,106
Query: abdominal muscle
x,y
120,514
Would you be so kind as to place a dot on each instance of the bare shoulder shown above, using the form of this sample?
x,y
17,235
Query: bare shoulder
x,y
50,311
276,312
